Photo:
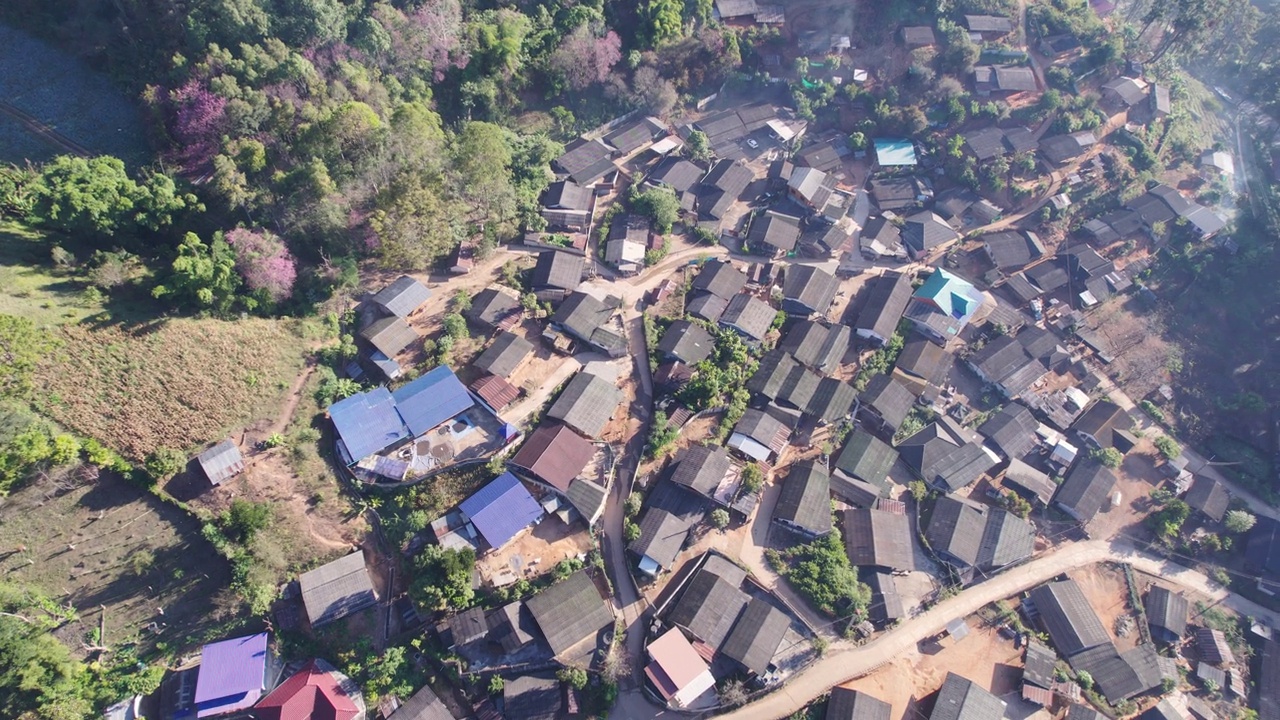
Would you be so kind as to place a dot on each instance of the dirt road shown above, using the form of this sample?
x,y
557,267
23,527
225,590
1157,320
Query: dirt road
x,y
844,662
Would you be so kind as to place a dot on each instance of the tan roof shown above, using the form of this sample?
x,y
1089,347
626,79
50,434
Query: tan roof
x,y
676,660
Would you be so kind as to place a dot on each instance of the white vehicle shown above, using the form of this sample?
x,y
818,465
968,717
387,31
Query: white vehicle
x,y
751,143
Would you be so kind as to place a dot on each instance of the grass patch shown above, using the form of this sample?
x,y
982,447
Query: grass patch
x,y
169,383
28,285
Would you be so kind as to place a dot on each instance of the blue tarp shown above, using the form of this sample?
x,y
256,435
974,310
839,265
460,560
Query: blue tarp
x,y
368,422
501,509
431,399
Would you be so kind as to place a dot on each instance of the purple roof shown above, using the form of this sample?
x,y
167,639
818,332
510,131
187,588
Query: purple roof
x,y
232,675
501,509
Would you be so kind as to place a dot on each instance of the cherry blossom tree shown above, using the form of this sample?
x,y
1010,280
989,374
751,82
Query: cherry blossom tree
x,y
264,262
197,119
586,55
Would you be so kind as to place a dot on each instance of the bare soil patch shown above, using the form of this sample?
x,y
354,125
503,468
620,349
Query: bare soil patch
x,y
110,547
535,552
907,682
1104,586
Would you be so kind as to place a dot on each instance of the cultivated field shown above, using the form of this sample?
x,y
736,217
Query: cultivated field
x,y
110,548
65,94
173,383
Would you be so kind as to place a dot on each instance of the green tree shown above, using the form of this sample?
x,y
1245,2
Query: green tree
x,y
1167,446
1085,679
442,578
662,20
1108,457
245,519
660,205
497,684
1239,521
719,518
698,146
202,275
1167,521
413,223
96,196
630,531
752,478
481,175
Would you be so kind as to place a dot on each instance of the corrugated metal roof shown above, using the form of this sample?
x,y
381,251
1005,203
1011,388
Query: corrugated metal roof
x,y
368,422
337,589
232,674
805,500
501,509
570,611
1071,621
962,699
431,399
555,454
757,635
221,462
402,297
587,404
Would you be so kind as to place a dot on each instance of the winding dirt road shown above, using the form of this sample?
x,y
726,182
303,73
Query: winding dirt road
x,y
844,662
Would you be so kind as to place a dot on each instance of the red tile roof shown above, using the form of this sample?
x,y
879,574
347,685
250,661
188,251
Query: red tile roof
x,y
313,693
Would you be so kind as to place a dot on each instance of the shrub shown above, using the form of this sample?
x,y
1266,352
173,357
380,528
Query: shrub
x,y
244,519
1239,521
662,435
575,677
752,478
720,518
630,531
1167,447
634,501
1108,457
163,463
496,685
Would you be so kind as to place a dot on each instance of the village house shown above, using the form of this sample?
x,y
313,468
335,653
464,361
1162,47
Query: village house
x,y
567,206
590,321
808,290
943,306
879,539
759,436
804,505
749,316
887,301
336,590
628,240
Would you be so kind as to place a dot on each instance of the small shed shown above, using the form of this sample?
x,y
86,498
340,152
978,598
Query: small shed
x,y
221,462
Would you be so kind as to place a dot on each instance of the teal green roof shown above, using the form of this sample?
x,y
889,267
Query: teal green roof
x,y
955,297
893,152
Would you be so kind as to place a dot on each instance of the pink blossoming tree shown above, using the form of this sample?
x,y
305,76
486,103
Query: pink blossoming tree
x,y
264,262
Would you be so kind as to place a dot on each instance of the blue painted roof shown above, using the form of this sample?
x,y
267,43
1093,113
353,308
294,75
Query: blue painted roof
x,y
368,422
954,296
501,509
432,399
895,152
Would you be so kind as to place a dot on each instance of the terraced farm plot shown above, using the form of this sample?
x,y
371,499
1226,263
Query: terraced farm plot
x,y
110,548
173,383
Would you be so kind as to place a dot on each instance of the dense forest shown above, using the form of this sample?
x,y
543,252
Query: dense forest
x,y
329,132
